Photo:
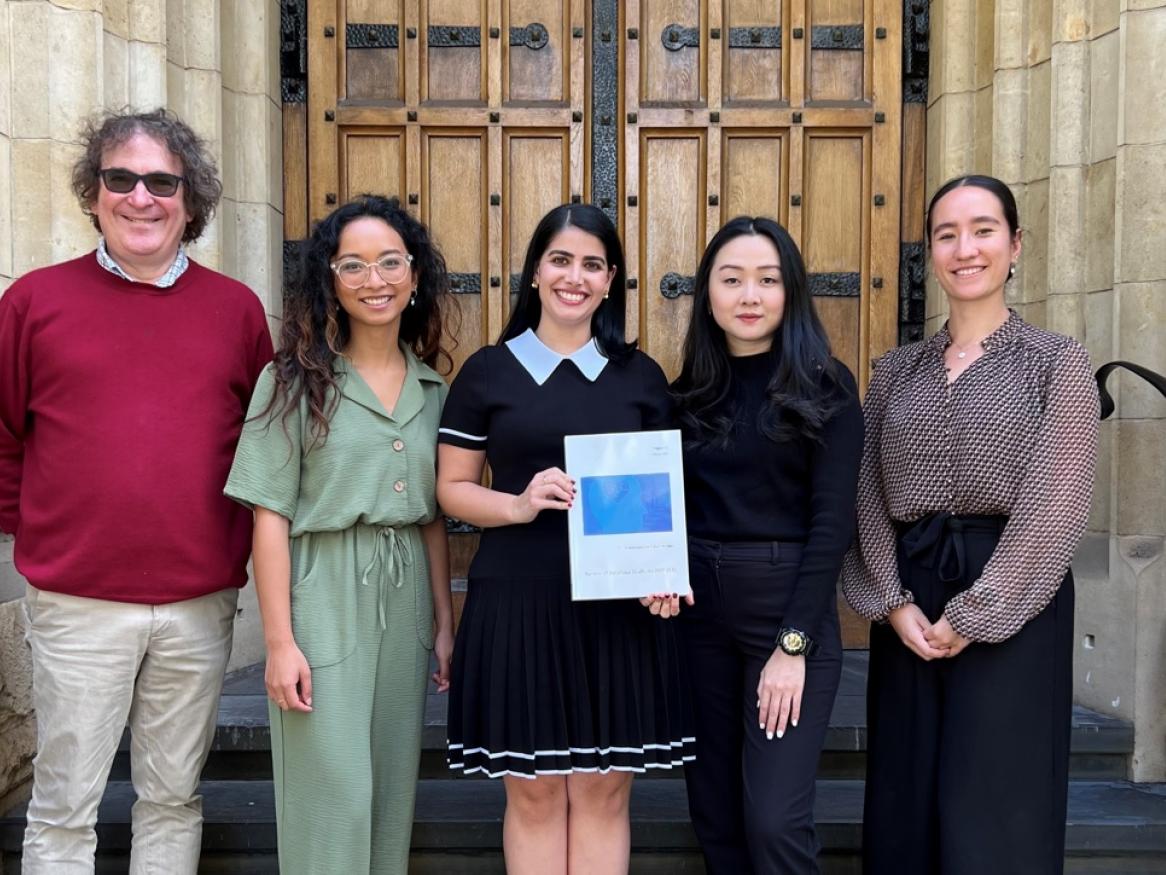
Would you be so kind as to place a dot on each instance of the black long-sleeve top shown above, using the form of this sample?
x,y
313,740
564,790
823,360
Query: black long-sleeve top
x,y
756,489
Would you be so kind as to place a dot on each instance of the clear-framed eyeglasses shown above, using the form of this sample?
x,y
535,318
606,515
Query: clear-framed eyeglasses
x,y
353,273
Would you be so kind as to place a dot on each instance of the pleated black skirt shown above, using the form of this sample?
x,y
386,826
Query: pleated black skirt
x,y
546,686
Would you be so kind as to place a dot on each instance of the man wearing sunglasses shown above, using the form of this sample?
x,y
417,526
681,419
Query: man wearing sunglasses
x,y
126,378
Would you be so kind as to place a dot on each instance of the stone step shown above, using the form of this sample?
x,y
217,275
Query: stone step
x,y
1101,746
1113,827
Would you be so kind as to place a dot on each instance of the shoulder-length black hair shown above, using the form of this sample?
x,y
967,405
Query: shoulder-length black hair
x,y
804,389
316,328
607,323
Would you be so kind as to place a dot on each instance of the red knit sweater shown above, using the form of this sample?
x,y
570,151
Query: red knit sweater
x,y
120,406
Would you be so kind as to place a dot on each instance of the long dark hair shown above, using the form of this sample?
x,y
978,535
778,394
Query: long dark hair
x,y
804,390
990,184
316,328
607,322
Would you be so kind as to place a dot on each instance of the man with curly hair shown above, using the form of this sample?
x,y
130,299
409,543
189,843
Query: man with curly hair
x,y
127,376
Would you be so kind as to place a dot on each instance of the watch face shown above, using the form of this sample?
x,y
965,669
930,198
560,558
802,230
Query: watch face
x,y
793,641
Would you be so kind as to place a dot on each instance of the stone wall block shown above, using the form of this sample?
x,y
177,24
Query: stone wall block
x,y
258,233
274,37
1103,96
71,233
226,238
74,87
984,143
115,76
1104,650
147,20
5,206
1141,447
254,148
1065,314
32,202
958,69
1104,16
1039,107
1099,338
1099,224
1011,47
246,45
1144,59
1136,5
1069,132
958,135
1142,339
202,108
1141,213
201,23
17,723
1035,254
115,18
1071,20
1009,97
5,72
147,75
1040,31
1067,247
28,24
229,169
985,37
1101,509
175,32
1149,761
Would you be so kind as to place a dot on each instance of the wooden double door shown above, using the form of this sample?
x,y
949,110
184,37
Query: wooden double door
x,y
672,115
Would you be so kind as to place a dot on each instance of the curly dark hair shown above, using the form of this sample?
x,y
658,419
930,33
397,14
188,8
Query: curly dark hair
x,y
316,328
201,188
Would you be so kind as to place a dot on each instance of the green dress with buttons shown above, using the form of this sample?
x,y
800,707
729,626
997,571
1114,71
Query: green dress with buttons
x,y
361,610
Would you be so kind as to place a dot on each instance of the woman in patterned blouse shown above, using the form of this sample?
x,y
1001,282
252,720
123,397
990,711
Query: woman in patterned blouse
x,y
975,488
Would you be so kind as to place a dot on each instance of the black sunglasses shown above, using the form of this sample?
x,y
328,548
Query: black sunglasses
x,y
122,181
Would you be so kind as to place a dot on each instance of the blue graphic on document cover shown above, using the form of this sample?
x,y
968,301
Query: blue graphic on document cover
x,y
626,504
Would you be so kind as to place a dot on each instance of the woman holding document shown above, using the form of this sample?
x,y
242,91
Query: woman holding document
x,y
772,437
563,700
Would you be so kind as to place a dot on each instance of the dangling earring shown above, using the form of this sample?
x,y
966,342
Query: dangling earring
x,y
1012,270
413,298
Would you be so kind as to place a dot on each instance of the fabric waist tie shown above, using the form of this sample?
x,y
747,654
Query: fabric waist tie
x,y
392,551
936,541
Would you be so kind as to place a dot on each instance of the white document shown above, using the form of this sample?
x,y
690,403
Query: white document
x,y
627,526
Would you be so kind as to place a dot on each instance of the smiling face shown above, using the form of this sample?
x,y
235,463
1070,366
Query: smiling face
x,y
376,303
573,276
746,293
972,246
142,231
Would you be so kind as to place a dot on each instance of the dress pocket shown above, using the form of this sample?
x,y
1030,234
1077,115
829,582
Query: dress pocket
x,y
324,611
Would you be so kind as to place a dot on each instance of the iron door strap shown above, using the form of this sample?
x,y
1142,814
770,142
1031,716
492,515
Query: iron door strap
x,y
847,37
371,36
676,37
533,36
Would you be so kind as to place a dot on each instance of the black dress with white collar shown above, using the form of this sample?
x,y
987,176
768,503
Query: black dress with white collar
x,y
541,684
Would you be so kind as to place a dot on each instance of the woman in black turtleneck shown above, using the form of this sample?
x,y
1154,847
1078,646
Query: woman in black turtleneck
x,y
773,439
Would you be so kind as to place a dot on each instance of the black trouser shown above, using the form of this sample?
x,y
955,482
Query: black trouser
x,y
752,800
967,763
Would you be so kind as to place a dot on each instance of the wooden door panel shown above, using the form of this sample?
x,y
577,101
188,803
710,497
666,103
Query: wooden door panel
x,y
755,68
536,55
454,51
373,162
755,167
454,207
672,40
372,59
834,212
838,51
535,179
672,237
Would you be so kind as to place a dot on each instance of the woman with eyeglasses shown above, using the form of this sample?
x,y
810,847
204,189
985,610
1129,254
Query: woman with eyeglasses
x,y
981,443
565,701
351,558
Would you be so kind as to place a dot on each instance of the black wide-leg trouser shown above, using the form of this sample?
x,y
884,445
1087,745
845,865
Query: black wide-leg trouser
x,y
751,799
967,763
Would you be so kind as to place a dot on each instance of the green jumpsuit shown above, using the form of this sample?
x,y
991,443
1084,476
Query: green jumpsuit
x,y
362,613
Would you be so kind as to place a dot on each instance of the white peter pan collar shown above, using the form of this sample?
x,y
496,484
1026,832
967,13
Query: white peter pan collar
x,y
540,360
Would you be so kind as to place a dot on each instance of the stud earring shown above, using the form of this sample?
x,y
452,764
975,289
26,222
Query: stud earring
x,y
534,283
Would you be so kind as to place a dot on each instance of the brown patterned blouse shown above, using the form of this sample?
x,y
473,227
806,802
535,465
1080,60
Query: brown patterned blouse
x,y
1014,435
